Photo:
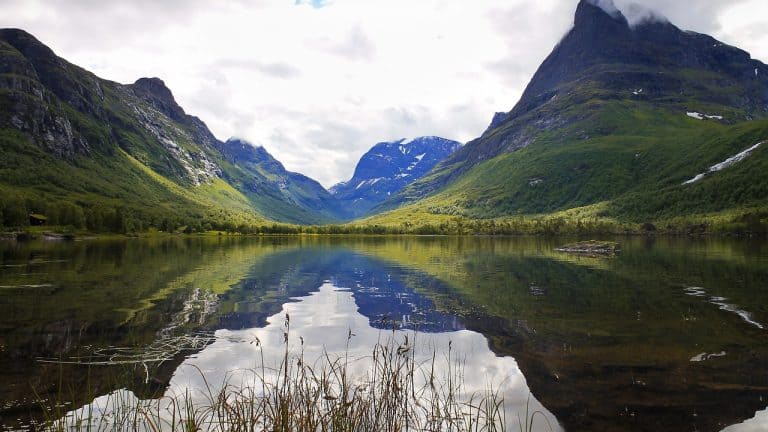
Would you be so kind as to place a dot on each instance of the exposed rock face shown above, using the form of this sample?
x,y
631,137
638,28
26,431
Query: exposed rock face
x,y
74,86
70,111
498,119
154,91
162,118
27,105
388,167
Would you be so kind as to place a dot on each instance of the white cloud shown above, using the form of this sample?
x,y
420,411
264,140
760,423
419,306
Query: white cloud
x,y
317,83
608,6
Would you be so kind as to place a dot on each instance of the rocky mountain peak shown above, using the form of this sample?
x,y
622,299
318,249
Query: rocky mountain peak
x,y
154,91
604,41
598,14
632,55
81,90
241,150
27,44
154,85
388,167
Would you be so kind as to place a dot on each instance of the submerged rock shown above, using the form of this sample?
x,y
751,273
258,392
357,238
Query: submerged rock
x,y
58,236
591,247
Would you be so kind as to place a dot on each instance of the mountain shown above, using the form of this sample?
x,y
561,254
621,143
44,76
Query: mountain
x,y
387,168
626,120
615,121
83,151
284,195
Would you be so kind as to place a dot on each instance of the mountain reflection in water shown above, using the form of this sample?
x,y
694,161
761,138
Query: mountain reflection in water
x,y
668,335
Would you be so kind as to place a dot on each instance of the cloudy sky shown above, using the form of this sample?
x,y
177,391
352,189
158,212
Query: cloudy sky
x,y
319,82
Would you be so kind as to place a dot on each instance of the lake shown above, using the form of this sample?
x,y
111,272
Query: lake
x,y
670,334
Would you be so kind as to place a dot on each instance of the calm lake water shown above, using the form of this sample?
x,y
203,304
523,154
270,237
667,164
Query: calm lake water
x,y
671,334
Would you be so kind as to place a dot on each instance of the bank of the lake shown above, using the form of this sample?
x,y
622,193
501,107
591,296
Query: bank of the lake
x,y
577,222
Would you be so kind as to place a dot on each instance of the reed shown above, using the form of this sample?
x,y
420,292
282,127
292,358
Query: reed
x,y
398,393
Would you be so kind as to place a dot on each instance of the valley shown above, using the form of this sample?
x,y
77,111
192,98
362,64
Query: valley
x,y
638,127
383,216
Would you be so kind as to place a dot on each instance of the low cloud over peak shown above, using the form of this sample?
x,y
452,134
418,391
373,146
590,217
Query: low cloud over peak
x,y
606,5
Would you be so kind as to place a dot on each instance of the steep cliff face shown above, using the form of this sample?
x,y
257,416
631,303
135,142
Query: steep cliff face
x,y
28,105
387,168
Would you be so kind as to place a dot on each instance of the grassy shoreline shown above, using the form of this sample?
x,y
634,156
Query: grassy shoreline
x,y
741,225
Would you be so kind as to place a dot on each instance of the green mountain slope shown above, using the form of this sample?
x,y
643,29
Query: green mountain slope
x,y
616,119
96,154
284,195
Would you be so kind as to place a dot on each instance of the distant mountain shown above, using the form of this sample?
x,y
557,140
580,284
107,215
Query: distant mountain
x,y
387,168
88,152
618,117
284,195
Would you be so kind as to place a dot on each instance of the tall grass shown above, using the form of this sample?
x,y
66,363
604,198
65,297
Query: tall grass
x,y
398,393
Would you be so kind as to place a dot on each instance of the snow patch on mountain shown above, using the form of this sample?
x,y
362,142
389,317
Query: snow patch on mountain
x,y
700,116
390,166
726,163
